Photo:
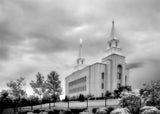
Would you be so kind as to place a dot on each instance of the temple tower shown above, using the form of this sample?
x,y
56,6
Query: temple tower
x,y
115,60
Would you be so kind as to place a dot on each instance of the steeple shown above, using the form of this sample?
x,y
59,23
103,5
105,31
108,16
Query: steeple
x,y
80,47
112,35
113,42
80,60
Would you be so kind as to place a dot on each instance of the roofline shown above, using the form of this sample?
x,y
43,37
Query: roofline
x,y
84,68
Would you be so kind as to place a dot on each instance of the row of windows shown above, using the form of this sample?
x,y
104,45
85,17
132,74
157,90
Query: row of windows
x,y
78,89
78,81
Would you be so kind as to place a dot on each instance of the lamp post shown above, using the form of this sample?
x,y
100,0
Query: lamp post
x,y
40,102
87,102
68,103
49,103
140,101
105,101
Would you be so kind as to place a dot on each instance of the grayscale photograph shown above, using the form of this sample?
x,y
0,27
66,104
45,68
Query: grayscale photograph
x,y
79,56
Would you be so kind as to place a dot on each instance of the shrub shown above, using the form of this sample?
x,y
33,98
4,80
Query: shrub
x,y
36,111
102,110
66,99
131,101
149,110
94,110
120,111
81,98
151,93
110,109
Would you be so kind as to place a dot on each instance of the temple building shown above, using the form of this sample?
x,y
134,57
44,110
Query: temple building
x,y
96,79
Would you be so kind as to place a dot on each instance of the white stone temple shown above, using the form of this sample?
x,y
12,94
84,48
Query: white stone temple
x,y
96,79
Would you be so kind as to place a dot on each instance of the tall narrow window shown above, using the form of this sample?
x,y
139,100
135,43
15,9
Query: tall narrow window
x,y
126,80
118,85
119,75
116,44
102,94
102,75
102,85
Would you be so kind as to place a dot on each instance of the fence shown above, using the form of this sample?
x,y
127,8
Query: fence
x,y
76,104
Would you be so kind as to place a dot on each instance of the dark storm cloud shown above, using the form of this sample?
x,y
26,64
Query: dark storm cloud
x,y
59,19
49,24
44,32
134,65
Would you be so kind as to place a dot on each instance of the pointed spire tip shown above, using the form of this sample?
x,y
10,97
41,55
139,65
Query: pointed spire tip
x,y
113,22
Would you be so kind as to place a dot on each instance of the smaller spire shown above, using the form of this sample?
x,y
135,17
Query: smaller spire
x,y
80,47
80,59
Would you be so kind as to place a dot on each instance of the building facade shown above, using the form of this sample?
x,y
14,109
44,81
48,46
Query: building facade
x,y
96,79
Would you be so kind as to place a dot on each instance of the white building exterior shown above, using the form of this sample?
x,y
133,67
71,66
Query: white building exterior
x,y
97,78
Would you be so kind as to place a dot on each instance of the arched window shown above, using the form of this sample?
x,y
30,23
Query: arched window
x,y
102,85
102,75
125,80
116,44
119,75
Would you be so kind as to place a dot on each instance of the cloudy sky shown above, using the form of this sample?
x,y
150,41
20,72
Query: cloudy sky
x,y
43,35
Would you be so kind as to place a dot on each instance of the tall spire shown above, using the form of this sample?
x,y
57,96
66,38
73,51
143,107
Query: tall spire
x,y
113,34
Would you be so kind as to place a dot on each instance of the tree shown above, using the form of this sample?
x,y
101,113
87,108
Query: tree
x,y
53,84
131,101
39,86
4,94
66,99
17,87
151,93
5,100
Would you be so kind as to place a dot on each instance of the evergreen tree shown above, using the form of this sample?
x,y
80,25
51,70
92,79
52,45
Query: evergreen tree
x,y
38,86
53,85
